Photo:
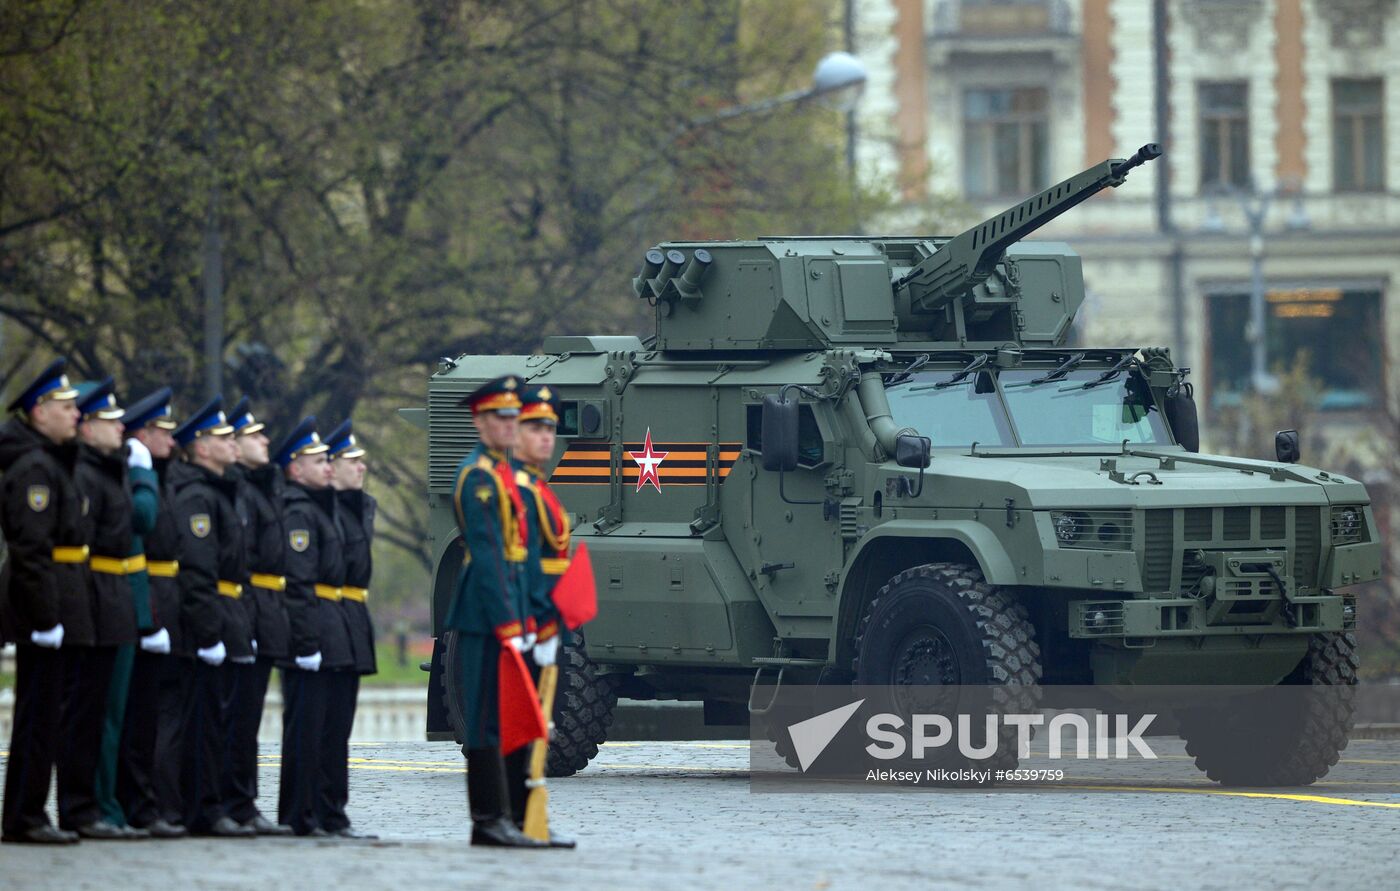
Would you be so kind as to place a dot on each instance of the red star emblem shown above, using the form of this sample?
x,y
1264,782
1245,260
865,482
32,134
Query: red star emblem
x,y
648,459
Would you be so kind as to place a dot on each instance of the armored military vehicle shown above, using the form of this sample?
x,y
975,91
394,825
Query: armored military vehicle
x,y
877,460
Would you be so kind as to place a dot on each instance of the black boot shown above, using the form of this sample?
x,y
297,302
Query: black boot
x,y
487,799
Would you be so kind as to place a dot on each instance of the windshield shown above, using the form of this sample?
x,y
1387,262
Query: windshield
x,y
958,415
1054,413
1063,412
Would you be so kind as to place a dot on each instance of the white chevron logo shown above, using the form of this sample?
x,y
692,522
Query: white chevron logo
x,y
811,737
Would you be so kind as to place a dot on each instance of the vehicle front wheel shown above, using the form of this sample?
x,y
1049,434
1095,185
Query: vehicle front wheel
x,y
1290,735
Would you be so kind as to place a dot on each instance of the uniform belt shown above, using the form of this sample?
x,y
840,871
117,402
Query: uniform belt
x,y
359,595
268,582
117,565
554,565
230,589
165,569
328,592
70,554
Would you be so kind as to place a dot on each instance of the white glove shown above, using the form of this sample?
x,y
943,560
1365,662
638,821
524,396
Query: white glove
x,y
310,663
138,455
158,642
516,643
546,651
528,641
255,646
52,639
212,655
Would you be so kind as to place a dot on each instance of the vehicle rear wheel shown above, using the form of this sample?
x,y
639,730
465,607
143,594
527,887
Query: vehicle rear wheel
x,y
943,625
1276,738
583,705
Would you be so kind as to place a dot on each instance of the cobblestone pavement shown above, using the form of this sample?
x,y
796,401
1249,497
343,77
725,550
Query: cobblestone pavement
x,y
676,814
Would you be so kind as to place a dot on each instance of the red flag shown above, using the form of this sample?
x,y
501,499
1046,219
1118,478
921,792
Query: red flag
x,y
522,722
575,594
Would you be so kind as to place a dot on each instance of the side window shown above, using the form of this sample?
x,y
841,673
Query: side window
x,y
810,451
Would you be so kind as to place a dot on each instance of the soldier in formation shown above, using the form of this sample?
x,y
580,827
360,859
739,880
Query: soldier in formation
x,y
155,574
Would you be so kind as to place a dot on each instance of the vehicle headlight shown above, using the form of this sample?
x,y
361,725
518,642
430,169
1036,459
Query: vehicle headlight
x,y
1346,524
1068,527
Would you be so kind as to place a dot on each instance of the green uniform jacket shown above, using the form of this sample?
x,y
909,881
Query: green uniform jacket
x,y
491,595
548,549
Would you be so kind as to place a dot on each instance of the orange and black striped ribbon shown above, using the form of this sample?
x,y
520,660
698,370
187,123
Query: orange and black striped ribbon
x,y
589,463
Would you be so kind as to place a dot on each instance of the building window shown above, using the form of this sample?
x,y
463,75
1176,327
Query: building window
x,y
1358,146
1224,135
1005,141
1337,331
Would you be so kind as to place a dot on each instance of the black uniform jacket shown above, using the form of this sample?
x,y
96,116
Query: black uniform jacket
x,y
102,481
356,515
164,545
212,552
315,559
260,509
41,509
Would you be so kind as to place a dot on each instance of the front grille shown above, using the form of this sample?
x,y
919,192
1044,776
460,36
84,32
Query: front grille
x,y
1348,525
1171,559
451,434
1157,543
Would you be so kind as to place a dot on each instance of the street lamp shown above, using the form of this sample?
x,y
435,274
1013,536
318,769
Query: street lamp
x,y
1255,208
838,79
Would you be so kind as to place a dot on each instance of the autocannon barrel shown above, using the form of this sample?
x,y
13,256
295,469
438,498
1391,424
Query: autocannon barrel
x,y
966,260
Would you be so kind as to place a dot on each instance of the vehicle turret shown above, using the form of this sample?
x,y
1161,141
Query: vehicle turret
x,y
800,293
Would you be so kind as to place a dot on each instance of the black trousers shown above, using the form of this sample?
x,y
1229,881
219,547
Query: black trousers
x,y
136,762
205,755
80,739
247,691
39,682
172,702
342,692
303,739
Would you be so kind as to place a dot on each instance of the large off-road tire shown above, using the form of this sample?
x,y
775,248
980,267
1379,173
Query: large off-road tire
x,y
583,705
1276,738
583,710
943,625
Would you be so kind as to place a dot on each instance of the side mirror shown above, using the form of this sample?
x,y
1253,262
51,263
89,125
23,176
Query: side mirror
x,y
779,432
1286,446
1181,415
913,451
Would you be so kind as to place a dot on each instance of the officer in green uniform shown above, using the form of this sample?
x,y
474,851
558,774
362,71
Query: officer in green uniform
x,y
548,549
488,611
146,802
41,513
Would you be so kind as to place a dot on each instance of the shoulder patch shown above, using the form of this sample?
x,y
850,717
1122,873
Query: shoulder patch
x,y
484,493
200,525
300,539
523,479
485,463
38,498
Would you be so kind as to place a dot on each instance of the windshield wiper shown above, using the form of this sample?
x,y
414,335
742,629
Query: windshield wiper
x,y
1111,373
958,376
1065,368
903,377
